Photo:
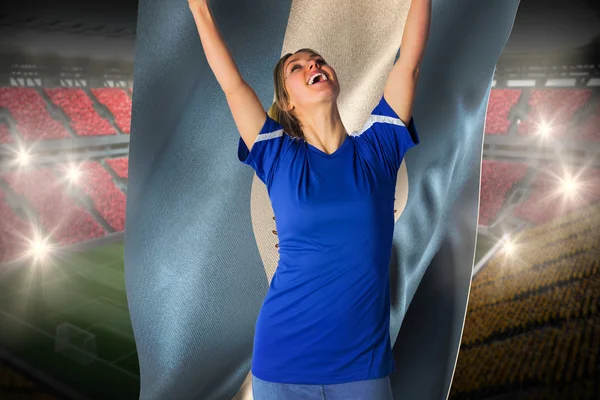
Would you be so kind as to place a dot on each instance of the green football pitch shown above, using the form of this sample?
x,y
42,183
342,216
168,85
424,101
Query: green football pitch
x,y
70,320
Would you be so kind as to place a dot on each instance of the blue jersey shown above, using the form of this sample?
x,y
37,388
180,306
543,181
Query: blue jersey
x,y
326,316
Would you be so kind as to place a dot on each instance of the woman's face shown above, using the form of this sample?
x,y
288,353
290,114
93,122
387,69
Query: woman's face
x,y
309,80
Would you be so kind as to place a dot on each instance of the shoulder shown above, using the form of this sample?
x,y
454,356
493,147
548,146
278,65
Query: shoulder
x,y
383,109
271,129
382,116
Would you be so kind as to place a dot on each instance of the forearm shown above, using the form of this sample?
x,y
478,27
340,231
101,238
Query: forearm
x,y
217,53
416,34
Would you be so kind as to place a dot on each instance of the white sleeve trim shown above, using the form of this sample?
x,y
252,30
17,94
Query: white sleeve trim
x,y
268,136
378,119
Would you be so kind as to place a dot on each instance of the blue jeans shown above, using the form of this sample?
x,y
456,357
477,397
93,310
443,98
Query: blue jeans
x,y
373,389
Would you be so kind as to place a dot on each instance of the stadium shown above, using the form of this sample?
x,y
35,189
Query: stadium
x,y
532,328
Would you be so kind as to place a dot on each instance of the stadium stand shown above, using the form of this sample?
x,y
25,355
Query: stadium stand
x,y
118,103
553,106
5,136
107,199
58,212
12,229
119,166
500,104
89,112
590,128
532,328
30,113
78,107
497,178
547,201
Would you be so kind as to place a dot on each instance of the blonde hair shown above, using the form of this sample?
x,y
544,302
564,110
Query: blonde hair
x,y
278,111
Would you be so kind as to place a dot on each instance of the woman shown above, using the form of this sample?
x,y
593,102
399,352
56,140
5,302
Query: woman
x,y
323,329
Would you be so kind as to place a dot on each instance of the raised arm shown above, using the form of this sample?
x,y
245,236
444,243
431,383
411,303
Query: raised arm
x,y
401,84
248,113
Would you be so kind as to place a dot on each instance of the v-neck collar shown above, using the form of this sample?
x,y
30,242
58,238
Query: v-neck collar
x,y
322,153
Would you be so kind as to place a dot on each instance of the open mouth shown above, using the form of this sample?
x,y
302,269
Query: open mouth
x,y
319,77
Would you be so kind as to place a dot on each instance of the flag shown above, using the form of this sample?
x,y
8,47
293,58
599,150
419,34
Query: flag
x,y
199,242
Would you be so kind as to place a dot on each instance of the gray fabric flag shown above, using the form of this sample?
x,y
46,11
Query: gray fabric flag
x,y
199,252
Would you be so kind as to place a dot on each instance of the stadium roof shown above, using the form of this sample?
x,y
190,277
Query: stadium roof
x,y
106,29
